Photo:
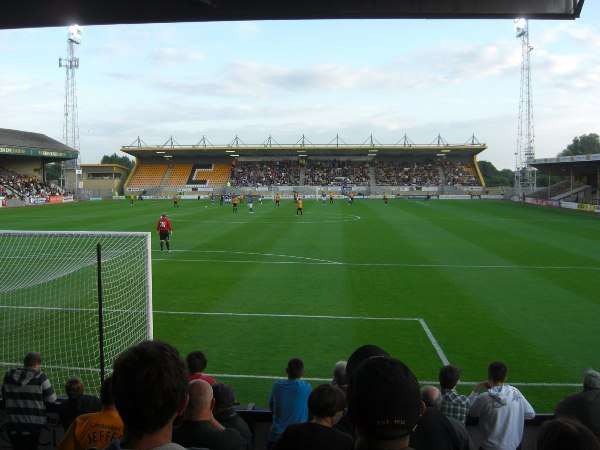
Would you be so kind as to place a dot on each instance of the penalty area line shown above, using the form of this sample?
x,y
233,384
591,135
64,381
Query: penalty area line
x,y
437,347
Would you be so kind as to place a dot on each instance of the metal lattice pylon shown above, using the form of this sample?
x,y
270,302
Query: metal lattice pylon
x,y
71,124
525,174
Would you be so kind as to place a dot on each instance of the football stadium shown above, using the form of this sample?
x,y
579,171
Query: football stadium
x,y
436,271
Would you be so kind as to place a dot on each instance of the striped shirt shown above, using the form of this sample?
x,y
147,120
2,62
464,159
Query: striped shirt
x,y
25,391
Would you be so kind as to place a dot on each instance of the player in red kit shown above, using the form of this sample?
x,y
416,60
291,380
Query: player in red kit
x,y
165,230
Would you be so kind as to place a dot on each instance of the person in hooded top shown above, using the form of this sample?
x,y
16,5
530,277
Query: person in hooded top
x,y
501,410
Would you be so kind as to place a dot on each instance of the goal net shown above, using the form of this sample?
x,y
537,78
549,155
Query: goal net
x,y
78,298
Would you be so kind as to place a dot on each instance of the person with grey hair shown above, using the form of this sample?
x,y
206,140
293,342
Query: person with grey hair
x,y
585,405
340,379
339,375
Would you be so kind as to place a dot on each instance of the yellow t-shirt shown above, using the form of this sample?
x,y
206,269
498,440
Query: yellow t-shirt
x,y
92,430
299,204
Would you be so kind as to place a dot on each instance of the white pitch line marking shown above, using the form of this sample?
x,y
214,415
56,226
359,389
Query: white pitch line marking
x,y
316,261
422,382
421,321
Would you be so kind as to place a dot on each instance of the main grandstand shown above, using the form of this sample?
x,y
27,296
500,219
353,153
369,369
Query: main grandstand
x,y
369,169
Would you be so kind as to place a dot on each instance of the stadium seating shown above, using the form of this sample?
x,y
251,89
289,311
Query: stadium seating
x,y
215,175
148,175
180,174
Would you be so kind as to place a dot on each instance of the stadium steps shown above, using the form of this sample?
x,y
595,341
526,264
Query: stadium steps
x,y
372,177
573,192
302,176
166,177
442,175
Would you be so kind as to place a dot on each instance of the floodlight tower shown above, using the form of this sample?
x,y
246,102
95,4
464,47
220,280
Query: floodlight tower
x,y
525,174
71,126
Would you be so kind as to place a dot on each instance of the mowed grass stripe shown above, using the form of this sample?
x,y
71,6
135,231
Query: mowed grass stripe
x,y
491,279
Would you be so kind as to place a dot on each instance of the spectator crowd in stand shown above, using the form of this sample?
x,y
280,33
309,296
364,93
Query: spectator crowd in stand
x,y
458,173
19,186
336,172
154,400
347,172
266,173
408,173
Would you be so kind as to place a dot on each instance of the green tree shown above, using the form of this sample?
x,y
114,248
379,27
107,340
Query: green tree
x,y
586,144
494,177
116,159
53,172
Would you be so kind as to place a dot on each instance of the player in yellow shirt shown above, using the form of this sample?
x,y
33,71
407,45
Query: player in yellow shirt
x,y
95,430
277,199
385,198
234,202
299,207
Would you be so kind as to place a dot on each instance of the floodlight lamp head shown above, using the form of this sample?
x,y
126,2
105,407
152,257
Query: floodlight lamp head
x,y
521,26
75,34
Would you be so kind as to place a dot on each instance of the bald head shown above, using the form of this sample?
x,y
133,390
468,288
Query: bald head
x,y
201,400
431,396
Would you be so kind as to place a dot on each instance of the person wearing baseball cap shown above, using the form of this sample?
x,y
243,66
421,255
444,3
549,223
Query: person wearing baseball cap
x,y
384,403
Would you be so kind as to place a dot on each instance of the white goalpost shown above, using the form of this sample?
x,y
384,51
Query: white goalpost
x,y
78,298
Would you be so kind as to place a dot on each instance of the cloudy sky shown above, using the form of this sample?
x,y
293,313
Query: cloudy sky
x,y
385,78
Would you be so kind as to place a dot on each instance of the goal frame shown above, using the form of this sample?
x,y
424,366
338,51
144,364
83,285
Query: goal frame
x,y
141,251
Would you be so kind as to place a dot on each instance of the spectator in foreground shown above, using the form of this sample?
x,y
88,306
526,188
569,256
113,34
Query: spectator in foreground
x,y
199,427
341,380
77,403
585,405
288,400
453,404
501,410
95,430
25,392
361,354
339,375
326,404
196,363
149,389
435,430
565,433
226,414
384,404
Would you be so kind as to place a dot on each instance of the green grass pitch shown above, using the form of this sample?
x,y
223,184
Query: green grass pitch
x,y
464,281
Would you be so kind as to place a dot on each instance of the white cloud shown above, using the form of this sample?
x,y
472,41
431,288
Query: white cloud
x,y
11,85
174,57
